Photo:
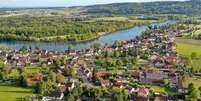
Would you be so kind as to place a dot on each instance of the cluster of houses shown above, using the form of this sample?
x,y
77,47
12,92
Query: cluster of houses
x,y
163,63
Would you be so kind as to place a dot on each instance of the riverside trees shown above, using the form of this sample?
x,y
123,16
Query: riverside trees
x,y
57,29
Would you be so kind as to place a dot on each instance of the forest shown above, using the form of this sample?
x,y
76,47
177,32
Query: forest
x,y
191,7
58,28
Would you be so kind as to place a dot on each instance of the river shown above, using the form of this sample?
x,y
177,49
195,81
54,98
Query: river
x,y
62,46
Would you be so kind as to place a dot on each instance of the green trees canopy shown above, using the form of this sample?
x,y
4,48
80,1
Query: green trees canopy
x,y
57,28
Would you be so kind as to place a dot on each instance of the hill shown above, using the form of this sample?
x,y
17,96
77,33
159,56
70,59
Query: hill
x,y
191,7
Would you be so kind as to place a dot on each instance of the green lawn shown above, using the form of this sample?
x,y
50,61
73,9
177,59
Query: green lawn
x,y
196,63
31,69
162,89
11,93
186,49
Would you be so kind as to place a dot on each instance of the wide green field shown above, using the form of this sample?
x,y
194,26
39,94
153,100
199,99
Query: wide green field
x,y
186,49
11,93
120,18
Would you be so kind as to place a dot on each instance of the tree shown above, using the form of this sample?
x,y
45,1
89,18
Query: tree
x,y
193,93
52,76
37,48
24,49
14,74
117,94
75,92
4,70
193,55
70,97
60,78
57,64
79,88
124,54
41,60
104,90
155,27
110,62
117,44
22,80
125,61
41,88
191,87
119,62
134,61
118,97
64,60
150,26
199,89
107,54
72,71
116,54
125,95
70,47
96,45
97,93
94,76
49,86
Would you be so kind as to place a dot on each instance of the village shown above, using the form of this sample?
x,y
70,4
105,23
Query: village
x,y
132,67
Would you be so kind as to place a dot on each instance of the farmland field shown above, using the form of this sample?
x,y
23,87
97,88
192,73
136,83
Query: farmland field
x,y
11,93
186,49
186,46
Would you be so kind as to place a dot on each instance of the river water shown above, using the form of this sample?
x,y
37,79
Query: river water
x,y
62,46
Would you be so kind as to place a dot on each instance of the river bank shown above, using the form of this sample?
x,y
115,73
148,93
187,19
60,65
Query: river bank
x,y
65,38
107,38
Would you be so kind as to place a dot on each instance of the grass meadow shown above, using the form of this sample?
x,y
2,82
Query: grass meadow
x,y
12,93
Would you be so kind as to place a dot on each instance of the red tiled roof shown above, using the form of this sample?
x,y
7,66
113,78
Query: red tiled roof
x,y
62,88
143,91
